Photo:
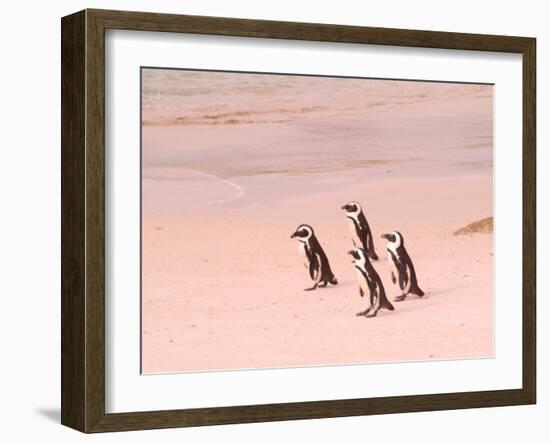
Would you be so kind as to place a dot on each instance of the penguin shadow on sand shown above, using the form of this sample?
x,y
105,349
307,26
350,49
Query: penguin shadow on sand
x,y
402,292
364,256
370,285
315,258
402,270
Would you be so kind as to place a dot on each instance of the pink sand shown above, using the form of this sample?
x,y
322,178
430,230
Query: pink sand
x,y
223,282
223,290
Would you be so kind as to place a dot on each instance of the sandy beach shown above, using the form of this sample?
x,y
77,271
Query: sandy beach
x,y
222,282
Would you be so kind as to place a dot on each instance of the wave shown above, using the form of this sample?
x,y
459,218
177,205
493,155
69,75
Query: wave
x,y
239,191
176,184
214,98
234,117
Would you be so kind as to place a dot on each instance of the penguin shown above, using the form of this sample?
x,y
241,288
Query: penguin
x,y
315,259
359,228
369,283
401,266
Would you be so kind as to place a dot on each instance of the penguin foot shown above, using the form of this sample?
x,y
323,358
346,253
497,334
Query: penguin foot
x,y
363,313
323,284
399,298
371,314
309,289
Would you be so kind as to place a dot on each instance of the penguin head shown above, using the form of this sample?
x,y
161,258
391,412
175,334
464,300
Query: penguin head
x,y
352,208
303,232
395,238
358,255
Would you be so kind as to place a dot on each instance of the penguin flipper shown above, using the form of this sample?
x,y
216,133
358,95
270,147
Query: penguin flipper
x,y
367,243
314,269
395,269
403,277
312,262
372,253
372,285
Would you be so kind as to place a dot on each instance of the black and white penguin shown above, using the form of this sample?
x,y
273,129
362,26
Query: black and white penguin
x,y
315,259
401,266
369,283
359,228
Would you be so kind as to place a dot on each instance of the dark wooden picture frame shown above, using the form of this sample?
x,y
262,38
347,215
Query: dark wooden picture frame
x,y
83,220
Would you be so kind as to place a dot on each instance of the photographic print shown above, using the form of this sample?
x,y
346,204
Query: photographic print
x,y
299,220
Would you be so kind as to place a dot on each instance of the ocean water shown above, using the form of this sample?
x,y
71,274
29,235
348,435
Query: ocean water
x,y
181,97
210,138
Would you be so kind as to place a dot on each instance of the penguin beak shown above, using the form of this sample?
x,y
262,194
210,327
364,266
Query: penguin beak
x,y
384,236
293,235
350,252
344,207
